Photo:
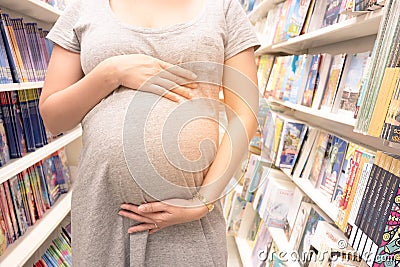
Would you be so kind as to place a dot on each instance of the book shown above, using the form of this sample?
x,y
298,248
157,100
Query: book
x,y
333,167
4,148
321,147
352,86
305,151
331,15
291,140
3,234
313,218
317,16
326,61
297,15
312,81
333,82
20,211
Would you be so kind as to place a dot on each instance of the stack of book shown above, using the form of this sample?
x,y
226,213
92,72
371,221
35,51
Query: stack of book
x,y
25,198
59,253
24,51
379,114
331,83
292,18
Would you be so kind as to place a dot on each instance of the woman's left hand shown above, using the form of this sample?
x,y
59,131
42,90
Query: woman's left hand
x,y
158,215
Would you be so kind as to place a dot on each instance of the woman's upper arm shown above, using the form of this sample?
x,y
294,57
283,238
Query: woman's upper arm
x,y
64,70
240,84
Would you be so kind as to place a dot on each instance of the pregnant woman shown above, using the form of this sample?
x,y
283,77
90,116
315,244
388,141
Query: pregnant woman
x,y
143,77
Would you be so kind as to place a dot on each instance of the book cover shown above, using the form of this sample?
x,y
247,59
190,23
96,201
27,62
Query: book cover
x,y
352,86
317,15
26,121
13,60
331,12
3,234
300,223
323,76
278,203
235,216
321,147
313,218
334,166
4,148
292,135
12,236
262,245
305,151
10,205
35,117
312,81
388,245
297,15
16,118
299,80
22,189
20,211
333,81
50,175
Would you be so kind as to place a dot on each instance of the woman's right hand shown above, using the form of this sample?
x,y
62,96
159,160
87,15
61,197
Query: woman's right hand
x,y
146,73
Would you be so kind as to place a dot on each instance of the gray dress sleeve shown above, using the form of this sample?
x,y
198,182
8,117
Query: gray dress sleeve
x,y
239,34
63,32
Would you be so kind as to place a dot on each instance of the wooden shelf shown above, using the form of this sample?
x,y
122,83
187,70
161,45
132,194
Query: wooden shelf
x,y
33,8
21,250
262,9
20,86
357,27
16,166
316,196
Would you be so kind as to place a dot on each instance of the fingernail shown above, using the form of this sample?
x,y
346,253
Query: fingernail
x,y
195,85
190,95
194,76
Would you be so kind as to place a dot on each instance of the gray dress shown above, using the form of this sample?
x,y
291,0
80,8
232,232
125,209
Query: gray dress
x,y
131,152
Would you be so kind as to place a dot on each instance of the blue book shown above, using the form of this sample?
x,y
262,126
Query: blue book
x,y
312,81
26,121
35,118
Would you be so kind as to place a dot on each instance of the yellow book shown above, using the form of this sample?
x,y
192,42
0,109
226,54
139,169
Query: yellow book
x,y
386,91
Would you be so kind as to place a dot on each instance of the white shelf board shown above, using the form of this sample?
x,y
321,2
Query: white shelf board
x,y
33,8
315,195
357,27
244,251
22,249
20,86
335,117
262,9
279,237
16,166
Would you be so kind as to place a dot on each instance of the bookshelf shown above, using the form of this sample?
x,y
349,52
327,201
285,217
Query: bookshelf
x,y
21,250
366,25
316,196
244,250
33,8
354,35
20,86
334,117
262,9
281,242
15,166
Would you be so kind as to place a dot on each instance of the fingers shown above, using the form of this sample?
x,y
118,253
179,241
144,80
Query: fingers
x,y
136,217
153,207
143,227
174,87
178,71
167,75
158,90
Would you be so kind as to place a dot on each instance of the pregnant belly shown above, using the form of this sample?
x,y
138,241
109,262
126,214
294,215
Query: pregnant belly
x,y
167,147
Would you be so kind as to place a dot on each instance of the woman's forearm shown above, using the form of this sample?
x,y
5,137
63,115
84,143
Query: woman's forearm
x,y
233,147
241,105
